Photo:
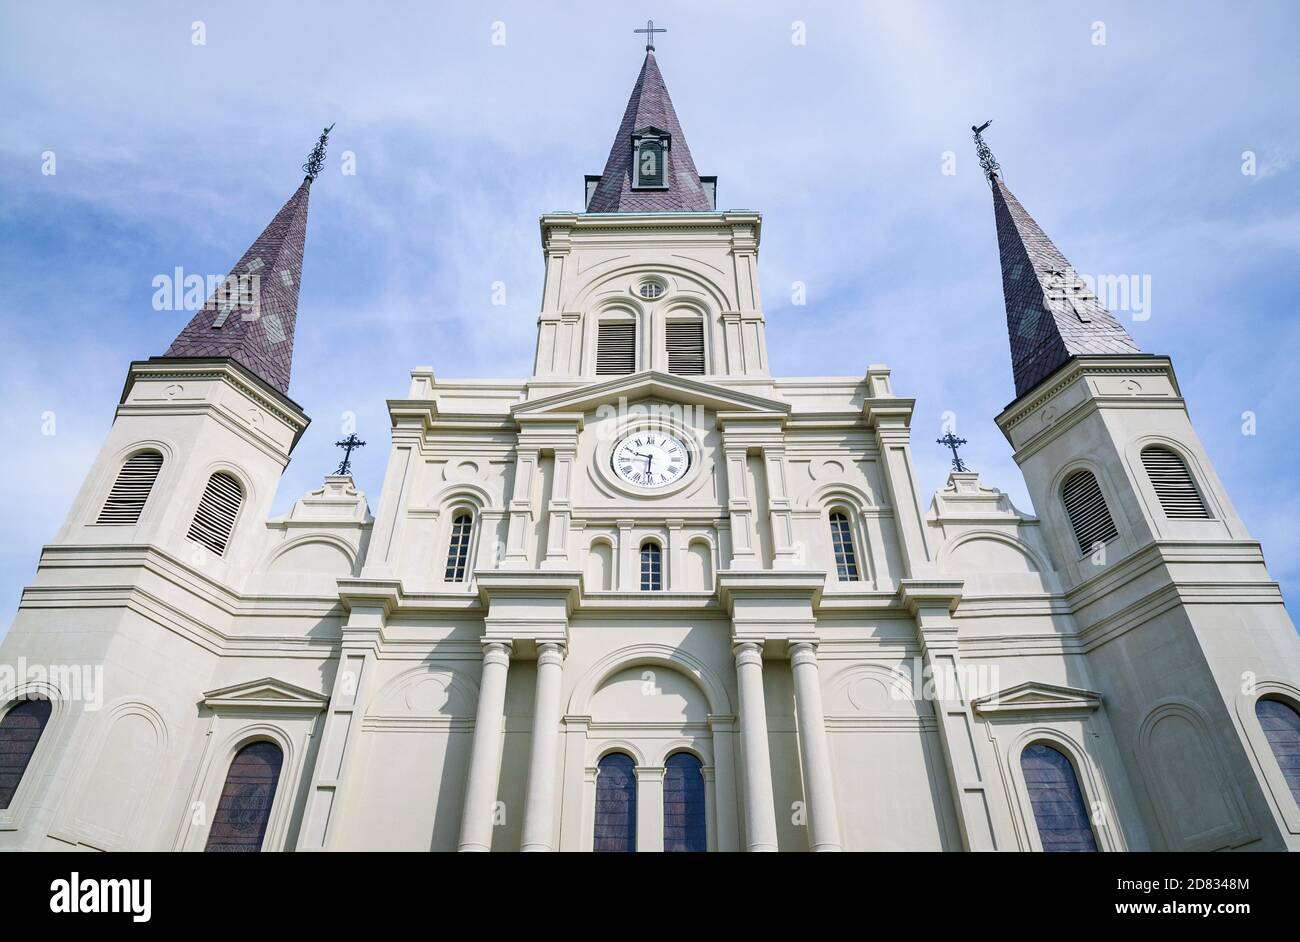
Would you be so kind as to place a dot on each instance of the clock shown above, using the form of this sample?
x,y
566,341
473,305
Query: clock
x,y
650,459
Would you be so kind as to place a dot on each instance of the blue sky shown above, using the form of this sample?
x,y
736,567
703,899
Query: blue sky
x,y
168,154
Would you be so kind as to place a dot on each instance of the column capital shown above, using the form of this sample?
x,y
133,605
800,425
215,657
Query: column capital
x,y
748,652
649,773
551,652
802,652
497,652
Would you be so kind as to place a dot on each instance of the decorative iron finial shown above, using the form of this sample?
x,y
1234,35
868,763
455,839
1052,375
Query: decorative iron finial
x,y
348,444
952,441
650,31
986,159
316,160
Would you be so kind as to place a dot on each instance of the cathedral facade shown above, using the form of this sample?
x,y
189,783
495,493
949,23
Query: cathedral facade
x,y
652,597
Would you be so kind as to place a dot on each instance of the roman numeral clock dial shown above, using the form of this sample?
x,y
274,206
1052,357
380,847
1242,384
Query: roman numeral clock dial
x,y
650,459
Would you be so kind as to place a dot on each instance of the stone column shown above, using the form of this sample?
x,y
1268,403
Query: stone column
x,y
539,806
740,509
485,752
628,563
760,811
814,750
785,554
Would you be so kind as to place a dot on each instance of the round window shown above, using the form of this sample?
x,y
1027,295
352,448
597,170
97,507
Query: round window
x,y
650,290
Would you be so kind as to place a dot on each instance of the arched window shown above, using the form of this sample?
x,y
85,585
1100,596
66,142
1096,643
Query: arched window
x,y
1173,484
684,823
20,732
615,348
218,508
244,809
462,528
1059,811
1281,725
134,481
846,560
652,569
1087,510
615,804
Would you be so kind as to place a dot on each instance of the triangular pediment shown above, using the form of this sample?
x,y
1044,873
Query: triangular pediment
x,y
266,693
651,384
650,129
1035,697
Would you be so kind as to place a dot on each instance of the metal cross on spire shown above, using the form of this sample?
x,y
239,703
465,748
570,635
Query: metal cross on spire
x,y
986,159
650,31
348,444
316,159
952,441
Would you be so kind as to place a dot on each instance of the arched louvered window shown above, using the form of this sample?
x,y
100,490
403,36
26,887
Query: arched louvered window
x,y
20,733
134,481
218,508
239,825
846,560
1173,484
1281,725
684,823
652,569
615,804
1059,810
462,528
686,348
1087,510
615,348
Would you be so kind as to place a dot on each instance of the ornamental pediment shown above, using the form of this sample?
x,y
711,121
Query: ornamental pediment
x,y
265,693
1034,697
650,384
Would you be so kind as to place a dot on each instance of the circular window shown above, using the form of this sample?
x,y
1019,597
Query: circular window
x,y
650,290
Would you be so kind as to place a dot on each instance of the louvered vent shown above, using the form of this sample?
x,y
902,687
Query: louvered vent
x,y
131,489
686,349
1087,510
215,517
1174,486
616,349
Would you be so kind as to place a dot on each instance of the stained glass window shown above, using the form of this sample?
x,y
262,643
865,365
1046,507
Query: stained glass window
x,y
615,804
1282,730
684,820
244,809
1059,809
20,732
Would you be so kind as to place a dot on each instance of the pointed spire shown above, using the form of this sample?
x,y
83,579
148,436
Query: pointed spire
x,y
251,316
1051,313
650,108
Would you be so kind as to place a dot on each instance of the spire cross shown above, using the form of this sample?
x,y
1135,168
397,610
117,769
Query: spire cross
x,y
650,31
347,444
986,159
316,159
952,441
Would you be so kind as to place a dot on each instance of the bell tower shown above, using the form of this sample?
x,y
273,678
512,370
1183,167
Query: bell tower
x,y
650,275
1175,608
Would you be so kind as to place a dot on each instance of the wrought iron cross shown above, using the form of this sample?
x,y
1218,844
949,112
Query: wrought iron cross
x,y
952,441
650,31
316,159
986,159
347,444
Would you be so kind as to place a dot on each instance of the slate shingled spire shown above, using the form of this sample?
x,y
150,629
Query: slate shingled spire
x,y
1051,314
649,107
251,316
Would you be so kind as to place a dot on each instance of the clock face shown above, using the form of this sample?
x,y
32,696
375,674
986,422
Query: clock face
x,y
650,459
